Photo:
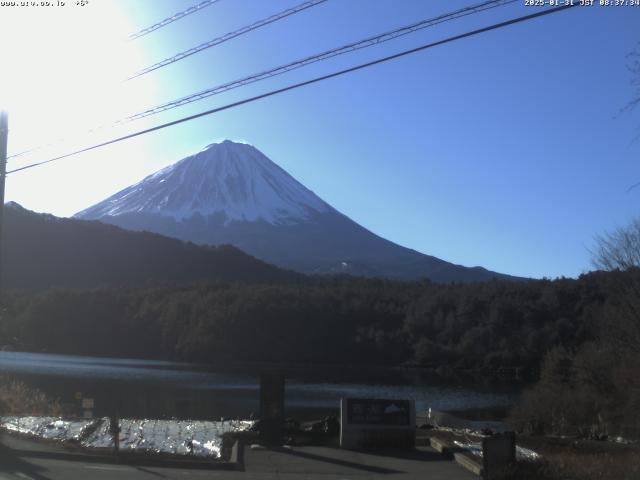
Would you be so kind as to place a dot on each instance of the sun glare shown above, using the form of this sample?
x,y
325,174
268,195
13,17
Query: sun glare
x,y
64,69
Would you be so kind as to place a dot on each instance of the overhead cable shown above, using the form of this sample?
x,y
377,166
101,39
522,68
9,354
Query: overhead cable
x,y
361,66
368,42
176,16
228,36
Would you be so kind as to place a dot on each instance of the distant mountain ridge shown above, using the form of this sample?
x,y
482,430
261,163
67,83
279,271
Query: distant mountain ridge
x,y
42,251
231,193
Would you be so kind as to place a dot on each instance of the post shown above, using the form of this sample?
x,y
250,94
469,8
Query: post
x,y
114,429
272,409
4,135
114,418
498,452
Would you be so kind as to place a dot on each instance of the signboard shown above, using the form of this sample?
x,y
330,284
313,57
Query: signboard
x,y
365,411
367,423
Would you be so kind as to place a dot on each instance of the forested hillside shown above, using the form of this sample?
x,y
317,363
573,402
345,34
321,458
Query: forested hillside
x,y
576,337
41,251
466,326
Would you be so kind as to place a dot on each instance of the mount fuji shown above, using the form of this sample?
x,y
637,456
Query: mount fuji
x,y
231,193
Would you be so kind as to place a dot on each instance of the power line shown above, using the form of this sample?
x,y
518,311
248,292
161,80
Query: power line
x,y
25,152
368,42
176,16
361,66
228,36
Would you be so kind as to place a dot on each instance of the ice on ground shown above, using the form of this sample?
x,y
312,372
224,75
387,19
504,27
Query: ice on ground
x,y
476,449
178,437
52,428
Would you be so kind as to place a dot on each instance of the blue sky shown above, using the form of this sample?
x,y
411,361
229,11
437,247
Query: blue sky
x,y
506,150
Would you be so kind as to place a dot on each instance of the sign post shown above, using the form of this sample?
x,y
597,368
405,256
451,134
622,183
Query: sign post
x,y
377,423
87,407
272,409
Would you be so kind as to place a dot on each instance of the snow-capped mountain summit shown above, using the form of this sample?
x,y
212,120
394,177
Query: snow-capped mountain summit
x,y
231,179
230,193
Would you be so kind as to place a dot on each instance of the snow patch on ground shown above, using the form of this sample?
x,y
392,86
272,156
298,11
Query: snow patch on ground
x,y
50,428
475,448
178,437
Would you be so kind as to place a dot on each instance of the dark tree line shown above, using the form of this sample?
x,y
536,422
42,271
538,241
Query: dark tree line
x,y
463,326
593,388
580,337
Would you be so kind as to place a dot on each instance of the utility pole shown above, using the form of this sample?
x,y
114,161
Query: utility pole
x,y
4,135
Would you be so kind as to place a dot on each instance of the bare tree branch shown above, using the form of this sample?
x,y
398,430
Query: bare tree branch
x,y
633,65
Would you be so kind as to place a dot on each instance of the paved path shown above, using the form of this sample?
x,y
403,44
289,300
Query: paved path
x,y
331,463
24,460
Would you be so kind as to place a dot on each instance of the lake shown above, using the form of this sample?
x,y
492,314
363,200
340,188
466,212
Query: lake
x,y
162,389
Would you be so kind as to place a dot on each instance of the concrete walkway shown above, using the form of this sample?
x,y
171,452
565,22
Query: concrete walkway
x,y
332,463
22,459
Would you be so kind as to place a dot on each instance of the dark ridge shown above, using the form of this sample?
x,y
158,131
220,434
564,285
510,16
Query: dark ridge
x,y
42,251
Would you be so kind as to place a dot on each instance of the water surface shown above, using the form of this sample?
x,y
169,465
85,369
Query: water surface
x,y
163,389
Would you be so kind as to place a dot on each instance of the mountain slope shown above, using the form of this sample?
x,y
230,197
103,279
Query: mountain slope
x,y
232,179
41,251
232,193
